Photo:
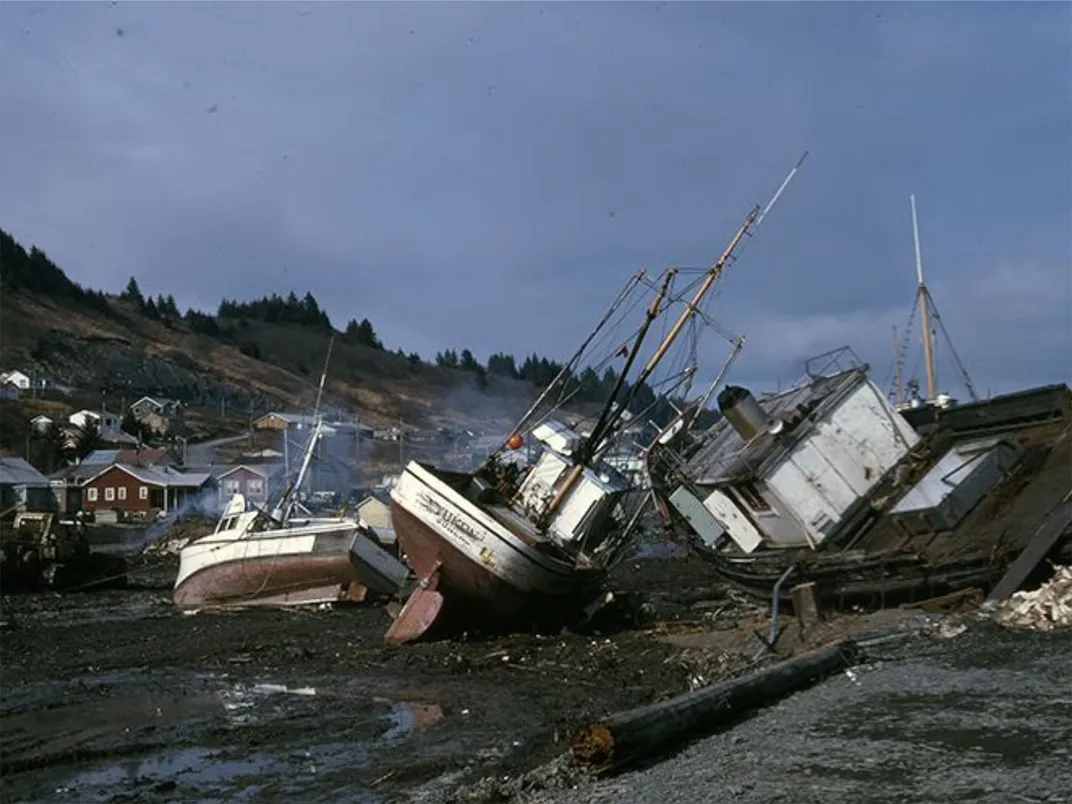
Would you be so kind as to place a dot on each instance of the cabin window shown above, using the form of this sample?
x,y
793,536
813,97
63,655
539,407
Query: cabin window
x,y
256,486
122,492
109,494
143,492
91,495
752,498
231,486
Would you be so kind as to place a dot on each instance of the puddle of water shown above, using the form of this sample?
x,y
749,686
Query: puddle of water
x,y
410,717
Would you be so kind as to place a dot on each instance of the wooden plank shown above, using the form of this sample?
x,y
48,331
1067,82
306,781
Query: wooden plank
x,y
1055,526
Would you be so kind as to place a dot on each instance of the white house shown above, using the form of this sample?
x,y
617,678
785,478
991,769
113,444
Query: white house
x,y
106,422
16,378
787,470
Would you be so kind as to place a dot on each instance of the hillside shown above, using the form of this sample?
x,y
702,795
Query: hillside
x,y
94,343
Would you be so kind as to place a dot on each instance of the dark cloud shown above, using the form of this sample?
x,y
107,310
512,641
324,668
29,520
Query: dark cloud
x,y
485,175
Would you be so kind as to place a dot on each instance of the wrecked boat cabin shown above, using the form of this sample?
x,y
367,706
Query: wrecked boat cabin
x,y
788,473
828,483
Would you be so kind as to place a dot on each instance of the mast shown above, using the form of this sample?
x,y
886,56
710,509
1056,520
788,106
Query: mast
x,y
286,501
898,392
923,299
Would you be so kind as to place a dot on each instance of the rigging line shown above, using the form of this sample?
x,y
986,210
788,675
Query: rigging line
x,y
626,290
949,342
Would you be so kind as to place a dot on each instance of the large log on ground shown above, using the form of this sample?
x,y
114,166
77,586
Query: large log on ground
x,y
642,733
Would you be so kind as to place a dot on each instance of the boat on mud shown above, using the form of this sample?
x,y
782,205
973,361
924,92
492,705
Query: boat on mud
x,y
828,483
509,545
286,556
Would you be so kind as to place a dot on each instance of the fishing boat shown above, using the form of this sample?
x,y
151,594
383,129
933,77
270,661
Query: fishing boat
x,y
285,556
870,498
508,546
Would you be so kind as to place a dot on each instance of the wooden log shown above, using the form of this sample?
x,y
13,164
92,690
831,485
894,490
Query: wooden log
x,y
642,733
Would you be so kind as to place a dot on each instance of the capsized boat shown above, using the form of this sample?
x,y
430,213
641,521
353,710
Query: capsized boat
x,y
508,546
285,557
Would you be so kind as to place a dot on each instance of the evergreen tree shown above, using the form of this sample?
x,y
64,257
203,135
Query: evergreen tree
x,y
133,294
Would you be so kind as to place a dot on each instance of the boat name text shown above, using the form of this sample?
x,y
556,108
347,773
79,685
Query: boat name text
x,y
450,520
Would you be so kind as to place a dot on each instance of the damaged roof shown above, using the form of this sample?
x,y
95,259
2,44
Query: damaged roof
x,y
726,456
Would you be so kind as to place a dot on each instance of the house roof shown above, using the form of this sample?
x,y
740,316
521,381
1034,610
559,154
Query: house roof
x,y
305,420
163,476
266,471
155,401
20,472
147,456
726,456
40,417
102,456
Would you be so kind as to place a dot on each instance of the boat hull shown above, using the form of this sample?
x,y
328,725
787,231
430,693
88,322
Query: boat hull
x,y
488,577
266,569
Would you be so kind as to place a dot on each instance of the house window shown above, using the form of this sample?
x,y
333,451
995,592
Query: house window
x,y
232,486
91,495
109,494
752,498
256,486
143,492
122,492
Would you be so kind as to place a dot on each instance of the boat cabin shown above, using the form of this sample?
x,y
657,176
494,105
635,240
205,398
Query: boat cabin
x,y
787,470
587,500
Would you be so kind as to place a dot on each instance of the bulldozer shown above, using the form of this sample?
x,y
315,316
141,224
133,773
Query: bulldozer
x,y
38,552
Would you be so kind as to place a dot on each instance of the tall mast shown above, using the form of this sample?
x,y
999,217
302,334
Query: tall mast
x,y
898,392
923,300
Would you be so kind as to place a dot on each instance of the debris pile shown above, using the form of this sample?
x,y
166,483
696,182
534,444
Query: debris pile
x,y
177,535
1046,608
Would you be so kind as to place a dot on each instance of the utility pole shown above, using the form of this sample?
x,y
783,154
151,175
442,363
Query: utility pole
x,y
401,440
357,451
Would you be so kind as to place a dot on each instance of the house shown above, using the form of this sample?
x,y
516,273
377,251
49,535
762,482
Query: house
x,y
255,482
155,413
789,469
297,421
145,489
22,487
16,378
40,423
105,422
160,406
139,456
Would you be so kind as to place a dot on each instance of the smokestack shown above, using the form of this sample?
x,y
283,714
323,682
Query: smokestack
x,y
743,412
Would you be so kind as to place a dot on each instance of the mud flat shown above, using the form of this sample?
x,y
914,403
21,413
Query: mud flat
x,y
116,697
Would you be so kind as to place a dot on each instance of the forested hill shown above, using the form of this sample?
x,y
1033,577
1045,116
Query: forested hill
x,y
261,353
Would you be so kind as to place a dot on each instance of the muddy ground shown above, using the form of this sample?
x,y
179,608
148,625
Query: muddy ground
x,y
116,697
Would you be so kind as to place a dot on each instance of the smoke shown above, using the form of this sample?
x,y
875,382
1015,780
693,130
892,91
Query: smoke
x,y
205,502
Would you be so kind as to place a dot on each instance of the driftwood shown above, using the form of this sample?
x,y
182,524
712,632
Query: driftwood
x,y
626,737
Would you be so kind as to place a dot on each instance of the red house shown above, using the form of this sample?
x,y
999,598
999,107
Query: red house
x,y
142,489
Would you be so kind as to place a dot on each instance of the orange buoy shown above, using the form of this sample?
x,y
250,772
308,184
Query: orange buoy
x,y
515,441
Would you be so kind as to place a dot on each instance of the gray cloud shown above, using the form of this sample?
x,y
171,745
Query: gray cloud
x,y
460,172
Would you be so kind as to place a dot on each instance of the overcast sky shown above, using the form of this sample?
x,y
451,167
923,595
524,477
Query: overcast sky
x,y
485,175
